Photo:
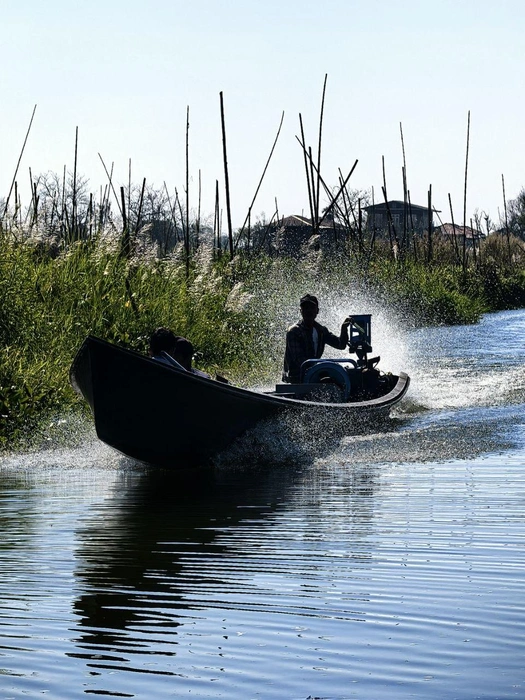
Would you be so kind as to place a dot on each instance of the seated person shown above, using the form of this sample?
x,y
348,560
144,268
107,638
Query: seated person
x,y
183,354
306,339
163,340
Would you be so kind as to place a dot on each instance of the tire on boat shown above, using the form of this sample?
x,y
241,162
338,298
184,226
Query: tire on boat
x,y
329,373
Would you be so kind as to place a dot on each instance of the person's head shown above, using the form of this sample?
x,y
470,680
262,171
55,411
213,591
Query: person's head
x,y
162,339
309,308
183,352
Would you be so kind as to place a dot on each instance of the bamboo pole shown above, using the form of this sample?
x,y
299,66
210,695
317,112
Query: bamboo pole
x,y
308,181
32,220
455,240
347,209
110,179
319,147
226,179
90,215
327,190
429,251
315,220
177,201
465,198
373,237
74,226
18,164
198,222
172,210
216,227
125,244
141,201
248,215
350,205
129,191
394,243
187,233
506,218
404,240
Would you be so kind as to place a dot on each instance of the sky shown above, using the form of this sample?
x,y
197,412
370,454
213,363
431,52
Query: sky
x,y
125,73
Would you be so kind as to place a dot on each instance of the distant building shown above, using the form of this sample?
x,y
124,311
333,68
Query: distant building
x,y
471,236
294,234
403,216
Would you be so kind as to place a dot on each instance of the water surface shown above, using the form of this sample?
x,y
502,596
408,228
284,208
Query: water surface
x,y
387,565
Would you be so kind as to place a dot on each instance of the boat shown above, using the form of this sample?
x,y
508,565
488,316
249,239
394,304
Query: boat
x,y
160,414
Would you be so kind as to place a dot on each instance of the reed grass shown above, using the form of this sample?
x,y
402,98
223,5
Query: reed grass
x,y
49,304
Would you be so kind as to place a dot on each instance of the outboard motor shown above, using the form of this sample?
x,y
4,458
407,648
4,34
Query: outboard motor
x,y
360,337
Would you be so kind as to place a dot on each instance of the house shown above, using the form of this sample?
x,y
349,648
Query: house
x,y
462,234
404,216
293,234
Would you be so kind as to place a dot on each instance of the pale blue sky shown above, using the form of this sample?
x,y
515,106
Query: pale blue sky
x,y
125,72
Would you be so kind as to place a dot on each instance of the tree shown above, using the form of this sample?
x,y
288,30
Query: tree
x,y
515,219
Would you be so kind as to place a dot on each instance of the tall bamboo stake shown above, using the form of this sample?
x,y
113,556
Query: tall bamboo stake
x,y
141,201
226,179
341,188
173,214
506,219
18,163
125,245
394,243
187,235
74,199
456,249
129,191
404,242
198,222
429,252
465,199
248,215
308,181
110,178
216,227
319,146
315,198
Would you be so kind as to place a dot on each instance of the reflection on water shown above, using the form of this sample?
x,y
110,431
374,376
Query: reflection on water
x,y
158,524
388,564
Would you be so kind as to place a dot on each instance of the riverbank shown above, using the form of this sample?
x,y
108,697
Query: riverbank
x,y
235,311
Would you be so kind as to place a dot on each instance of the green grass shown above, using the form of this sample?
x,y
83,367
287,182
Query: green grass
x,y
48,306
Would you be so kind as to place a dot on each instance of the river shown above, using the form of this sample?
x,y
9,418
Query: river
x,y
387,566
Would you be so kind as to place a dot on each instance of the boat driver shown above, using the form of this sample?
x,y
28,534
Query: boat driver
x,y
307,339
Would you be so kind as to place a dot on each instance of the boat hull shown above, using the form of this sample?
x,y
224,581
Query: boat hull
x,y
170,418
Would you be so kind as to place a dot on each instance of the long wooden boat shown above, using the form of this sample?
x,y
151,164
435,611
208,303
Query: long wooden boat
x,y
165,416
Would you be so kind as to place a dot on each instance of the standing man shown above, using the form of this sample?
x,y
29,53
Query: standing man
x,y
306,339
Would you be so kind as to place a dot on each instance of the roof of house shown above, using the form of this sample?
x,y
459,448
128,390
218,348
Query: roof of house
x,y
396,203
296,221
457,230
